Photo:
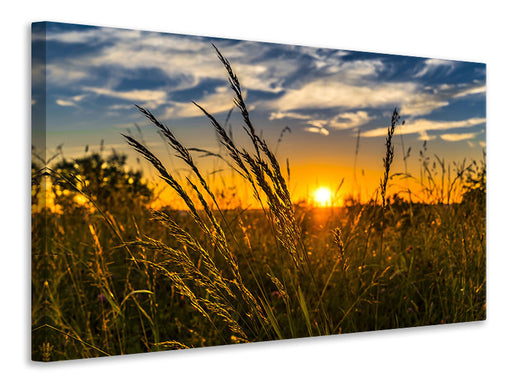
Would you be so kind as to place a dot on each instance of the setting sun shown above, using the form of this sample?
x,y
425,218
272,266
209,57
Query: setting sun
x,y
323,197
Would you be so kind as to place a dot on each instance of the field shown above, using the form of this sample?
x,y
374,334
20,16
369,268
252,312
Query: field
x,y
111,275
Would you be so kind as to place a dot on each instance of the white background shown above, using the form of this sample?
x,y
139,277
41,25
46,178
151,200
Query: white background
x,y
469,30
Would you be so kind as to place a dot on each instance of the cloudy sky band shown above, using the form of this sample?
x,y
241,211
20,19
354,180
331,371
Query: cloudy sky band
x,y
319,91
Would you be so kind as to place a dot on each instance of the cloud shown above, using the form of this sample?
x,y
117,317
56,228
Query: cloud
x,y
289,115
323,59
345,120
186,67
350,120
458,90
177,56
458,136
187,59
350,91
74,37
38,72
471,91
431,65
149,97
91,35
421,126
70,101
360,69
422,105
65,103
424,136
433,98
412,98
319,130
267,76
220,101
318,122
78,98
118,107
331,93
341,121
64,74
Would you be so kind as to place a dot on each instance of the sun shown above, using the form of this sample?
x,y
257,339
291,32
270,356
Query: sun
x,y
323,197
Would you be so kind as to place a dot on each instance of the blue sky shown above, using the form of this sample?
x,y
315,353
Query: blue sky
x,y
95,75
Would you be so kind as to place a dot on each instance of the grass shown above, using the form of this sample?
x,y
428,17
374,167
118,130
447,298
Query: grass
x,y
111,276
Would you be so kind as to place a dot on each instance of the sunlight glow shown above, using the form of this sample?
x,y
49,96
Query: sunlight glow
x,y
323,197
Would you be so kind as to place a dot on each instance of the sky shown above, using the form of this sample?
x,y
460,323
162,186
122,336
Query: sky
x,y
333,101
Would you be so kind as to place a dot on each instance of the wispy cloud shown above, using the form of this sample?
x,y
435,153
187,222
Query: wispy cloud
x,y
65,103
186,60
150,98
331,93
340,121
350,120
288,115
424,136
432,98
431,65
478,89
117,107
319,130
220,101
412,98
59,74
90,35
323,59
360,69
422,104
70,101
422,126
458,136
78,98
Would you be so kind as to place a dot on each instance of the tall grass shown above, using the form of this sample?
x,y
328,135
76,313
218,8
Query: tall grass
x,y
295,278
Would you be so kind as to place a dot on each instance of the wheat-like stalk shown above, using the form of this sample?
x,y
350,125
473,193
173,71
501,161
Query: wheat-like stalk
x,y
388,159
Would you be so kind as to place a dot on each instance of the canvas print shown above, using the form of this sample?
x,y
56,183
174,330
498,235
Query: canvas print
x,y
192,191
